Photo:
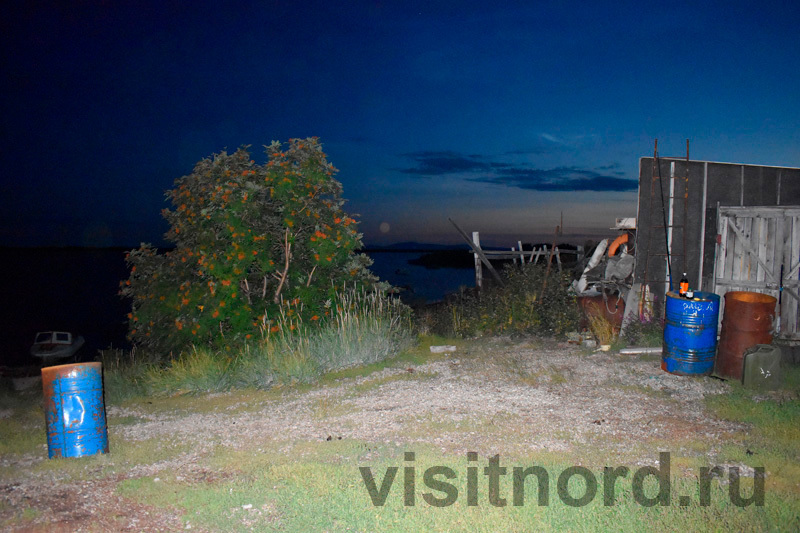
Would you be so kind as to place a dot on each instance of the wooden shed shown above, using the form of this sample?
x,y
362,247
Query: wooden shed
x,y
728,226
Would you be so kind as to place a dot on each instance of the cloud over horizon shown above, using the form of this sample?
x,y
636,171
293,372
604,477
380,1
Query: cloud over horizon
x,y
486,170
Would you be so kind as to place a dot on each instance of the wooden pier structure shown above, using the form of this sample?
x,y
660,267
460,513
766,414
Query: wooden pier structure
x,y
516,254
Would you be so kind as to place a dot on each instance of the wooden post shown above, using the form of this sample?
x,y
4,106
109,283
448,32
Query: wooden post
x,y
477,250
476,240
514,258
521,255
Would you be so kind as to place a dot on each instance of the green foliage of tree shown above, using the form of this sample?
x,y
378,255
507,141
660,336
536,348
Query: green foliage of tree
x,y
252,241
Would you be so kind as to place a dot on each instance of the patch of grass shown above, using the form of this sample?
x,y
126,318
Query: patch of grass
x,y
22,429
641,333
123,455
773,440
21,517
319,486
200,370
21,436
557,378
125,373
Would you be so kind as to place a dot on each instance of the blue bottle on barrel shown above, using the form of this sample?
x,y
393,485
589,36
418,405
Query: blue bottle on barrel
x,y
74,410
690,333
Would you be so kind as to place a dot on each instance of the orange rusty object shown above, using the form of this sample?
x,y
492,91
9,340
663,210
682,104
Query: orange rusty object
x,y
748,320
619,241
612,309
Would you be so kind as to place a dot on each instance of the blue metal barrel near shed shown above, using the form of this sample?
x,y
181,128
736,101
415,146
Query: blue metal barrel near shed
x,y
74,410
690,334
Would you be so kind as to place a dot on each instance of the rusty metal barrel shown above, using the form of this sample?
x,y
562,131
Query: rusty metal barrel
x,y
748,319
74,410
690,334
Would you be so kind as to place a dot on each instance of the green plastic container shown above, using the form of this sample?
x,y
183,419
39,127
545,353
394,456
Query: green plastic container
x,y
762,367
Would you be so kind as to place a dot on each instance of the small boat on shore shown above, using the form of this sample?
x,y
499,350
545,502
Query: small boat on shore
x,y
54,345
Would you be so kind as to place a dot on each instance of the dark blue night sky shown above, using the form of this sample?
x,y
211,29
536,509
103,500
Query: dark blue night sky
x,y
500,115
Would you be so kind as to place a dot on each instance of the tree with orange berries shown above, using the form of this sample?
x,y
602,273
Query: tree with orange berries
x,y
249,239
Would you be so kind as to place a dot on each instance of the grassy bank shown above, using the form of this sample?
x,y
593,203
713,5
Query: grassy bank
x,y
365,327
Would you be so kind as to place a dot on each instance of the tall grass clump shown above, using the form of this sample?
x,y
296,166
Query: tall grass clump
x,y
603,330
125,373
361,326
198,370
532,301
367,327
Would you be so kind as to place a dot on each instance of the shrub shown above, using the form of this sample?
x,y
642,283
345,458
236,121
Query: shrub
x,y
526,304
249,240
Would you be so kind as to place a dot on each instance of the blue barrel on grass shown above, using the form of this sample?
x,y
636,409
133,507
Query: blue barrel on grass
x,y
690,334
74,410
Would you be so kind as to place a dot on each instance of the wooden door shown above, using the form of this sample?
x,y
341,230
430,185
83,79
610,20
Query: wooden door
x,y
758,250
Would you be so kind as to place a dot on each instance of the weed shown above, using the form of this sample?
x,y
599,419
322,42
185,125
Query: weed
x,y
644,332
368,327
531,301
603,330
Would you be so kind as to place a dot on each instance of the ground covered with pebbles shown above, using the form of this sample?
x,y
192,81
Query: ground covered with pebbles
x,y
514,397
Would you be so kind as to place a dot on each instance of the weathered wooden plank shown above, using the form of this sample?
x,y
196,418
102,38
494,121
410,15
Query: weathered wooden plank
x,y
763,235
772,262
542,252
743,246
791,269
759,211
722,247
778,239
730,252
749,260
738,239
789,266
719,251
504,254
748,285
476,241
